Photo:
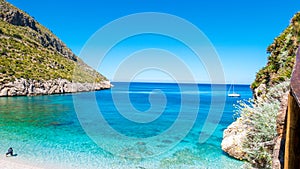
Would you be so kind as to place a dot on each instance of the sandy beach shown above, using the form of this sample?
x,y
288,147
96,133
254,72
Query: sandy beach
x,y
14,163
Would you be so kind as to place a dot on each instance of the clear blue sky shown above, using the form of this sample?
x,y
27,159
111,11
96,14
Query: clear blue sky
x,y
239,30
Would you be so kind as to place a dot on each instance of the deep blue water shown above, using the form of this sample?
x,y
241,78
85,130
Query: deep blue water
x,y
150,125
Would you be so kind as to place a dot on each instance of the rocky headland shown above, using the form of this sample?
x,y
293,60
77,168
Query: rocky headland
x,y
23,87
33,61
257,135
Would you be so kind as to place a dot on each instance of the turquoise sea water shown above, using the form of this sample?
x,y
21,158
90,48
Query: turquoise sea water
x,y
46,131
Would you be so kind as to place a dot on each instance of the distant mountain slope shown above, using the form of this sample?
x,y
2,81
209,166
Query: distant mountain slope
x,y
30,52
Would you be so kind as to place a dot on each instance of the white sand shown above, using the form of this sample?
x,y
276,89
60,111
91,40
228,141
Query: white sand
x,y
14,163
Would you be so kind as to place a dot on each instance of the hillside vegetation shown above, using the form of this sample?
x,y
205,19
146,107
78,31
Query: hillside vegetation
x,y
259,128
29,50
281,58
271,88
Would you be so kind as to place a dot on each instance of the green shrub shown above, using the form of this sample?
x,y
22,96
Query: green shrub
x,y
17,36
4,51
31,60
3,71
281,55
260,118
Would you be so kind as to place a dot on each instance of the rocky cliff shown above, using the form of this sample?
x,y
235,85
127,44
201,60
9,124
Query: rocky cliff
x,y
281,59
258,134
14,16
34,61
24,87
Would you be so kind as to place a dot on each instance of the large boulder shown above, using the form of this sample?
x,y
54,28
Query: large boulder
x,y
233,138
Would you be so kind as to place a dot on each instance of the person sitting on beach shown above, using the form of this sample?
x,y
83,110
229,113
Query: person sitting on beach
x,y
10,151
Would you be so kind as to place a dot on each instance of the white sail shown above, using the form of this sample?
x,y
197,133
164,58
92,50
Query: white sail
x,y
233,94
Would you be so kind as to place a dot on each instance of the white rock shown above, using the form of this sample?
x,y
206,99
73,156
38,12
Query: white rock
x,y
4,92
233,138
21,87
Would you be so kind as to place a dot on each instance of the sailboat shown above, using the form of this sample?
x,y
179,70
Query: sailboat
x,y
233,94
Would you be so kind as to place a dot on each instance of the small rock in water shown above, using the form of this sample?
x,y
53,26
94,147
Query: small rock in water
x,y
161,146
142,148
167,141
140,143
55,123
140,167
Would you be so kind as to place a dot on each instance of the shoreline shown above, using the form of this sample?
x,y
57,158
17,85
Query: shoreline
x,y
64,145
24,87
12,163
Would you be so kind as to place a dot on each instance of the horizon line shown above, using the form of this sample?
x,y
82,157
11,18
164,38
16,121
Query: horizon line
x,y
172,82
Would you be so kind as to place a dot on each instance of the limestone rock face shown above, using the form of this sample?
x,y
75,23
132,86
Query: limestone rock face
x,y
233,137
14,16
17,18
278,151
23,87
4,91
